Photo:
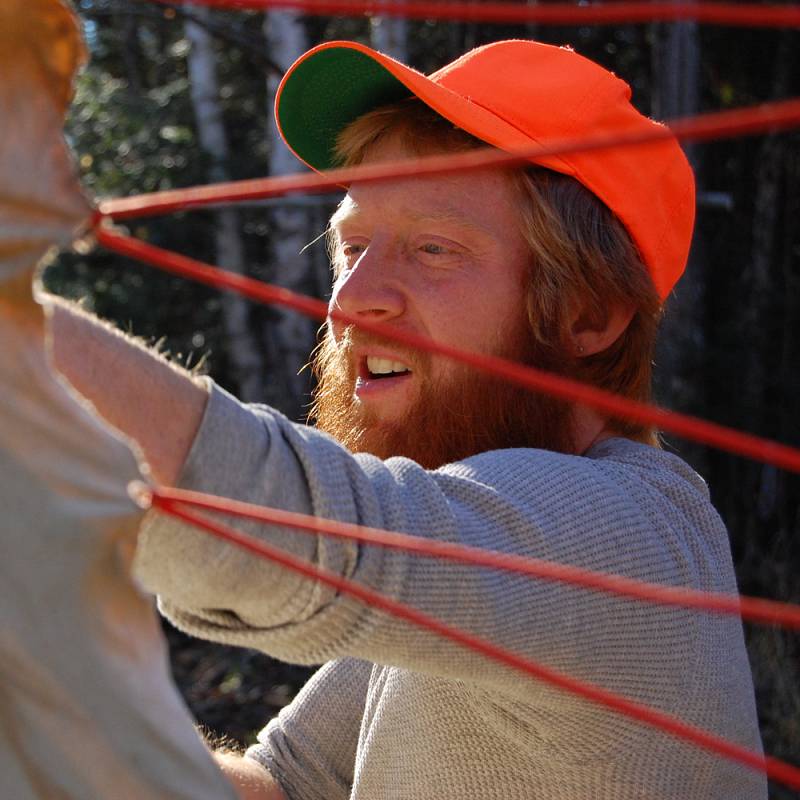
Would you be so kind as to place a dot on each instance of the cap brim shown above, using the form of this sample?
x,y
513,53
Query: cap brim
x,y
328,88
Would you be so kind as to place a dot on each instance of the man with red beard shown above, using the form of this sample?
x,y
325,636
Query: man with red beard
x,y
564,265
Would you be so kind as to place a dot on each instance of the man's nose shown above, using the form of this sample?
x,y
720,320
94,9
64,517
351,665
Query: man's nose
x,y
371,287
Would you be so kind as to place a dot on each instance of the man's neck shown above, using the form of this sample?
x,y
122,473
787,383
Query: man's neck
x,y
589,428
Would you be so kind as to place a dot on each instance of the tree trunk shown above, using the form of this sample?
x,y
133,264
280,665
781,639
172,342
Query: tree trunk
x,y
288,336
246,359
532,28
675,90
389,35
767,283
131,52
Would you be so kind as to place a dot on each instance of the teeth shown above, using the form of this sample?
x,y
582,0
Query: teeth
x,y
384,366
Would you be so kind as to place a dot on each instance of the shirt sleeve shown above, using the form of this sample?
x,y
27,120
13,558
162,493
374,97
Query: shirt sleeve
x,y
310,747
599,514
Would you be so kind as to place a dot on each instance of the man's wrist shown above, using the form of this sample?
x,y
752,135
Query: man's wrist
x,y
251,780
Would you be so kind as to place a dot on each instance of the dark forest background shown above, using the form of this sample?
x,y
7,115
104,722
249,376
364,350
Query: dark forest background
x,y
178,96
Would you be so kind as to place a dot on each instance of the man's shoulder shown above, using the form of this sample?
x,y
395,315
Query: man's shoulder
x,y
616,471
656,467
616,454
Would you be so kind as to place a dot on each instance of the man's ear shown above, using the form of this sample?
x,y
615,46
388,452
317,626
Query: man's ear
x,y
591,333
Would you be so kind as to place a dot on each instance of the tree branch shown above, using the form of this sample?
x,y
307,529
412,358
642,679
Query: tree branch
x,y
251,45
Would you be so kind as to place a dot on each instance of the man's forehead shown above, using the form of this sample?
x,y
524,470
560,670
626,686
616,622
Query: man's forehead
x,y
447,204
347,207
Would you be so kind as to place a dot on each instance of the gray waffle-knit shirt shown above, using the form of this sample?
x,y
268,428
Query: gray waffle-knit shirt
x,y
397,713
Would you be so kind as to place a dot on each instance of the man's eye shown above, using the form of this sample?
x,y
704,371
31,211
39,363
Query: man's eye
x,y
352,251
433,248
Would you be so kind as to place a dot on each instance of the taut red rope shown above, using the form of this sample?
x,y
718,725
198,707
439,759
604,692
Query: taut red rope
x,y
774,768
751,15
709,433
763,118
751,608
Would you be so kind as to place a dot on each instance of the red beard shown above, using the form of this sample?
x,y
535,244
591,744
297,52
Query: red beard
x,y
467,413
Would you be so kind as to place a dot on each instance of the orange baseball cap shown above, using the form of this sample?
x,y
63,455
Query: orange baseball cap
x,y
514,95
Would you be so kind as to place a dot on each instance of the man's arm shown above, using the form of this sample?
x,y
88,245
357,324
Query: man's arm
x,y
153,402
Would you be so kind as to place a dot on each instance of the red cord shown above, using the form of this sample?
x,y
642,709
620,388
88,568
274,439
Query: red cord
x,y
763,118
774,768
751,15
772,116
698,430
751,608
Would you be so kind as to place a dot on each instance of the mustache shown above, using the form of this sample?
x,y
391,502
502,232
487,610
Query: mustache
x,y
353,338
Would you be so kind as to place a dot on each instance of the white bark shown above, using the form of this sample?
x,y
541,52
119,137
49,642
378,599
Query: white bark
x,y
676,81
290,336
245,355
677,71
390,35
532,28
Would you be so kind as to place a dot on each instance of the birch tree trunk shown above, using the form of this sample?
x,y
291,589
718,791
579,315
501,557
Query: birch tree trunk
x,y
289,337
247,362
389,35
676,76
532,28
131,52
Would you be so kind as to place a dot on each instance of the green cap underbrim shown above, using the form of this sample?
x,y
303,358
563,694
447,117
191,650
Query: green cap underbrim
x,y
325,93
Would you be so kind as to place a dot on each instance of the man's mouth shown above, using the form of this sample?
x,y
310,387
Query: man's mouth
x,y
380,368
381,379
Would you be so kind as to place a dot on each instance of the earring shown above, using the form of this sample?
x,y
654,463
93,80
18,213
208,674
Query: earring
x,y
579,349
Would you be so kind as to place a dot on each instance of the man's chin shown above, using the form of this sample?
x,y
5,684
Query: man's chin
x,y
379,437
385,401
386,422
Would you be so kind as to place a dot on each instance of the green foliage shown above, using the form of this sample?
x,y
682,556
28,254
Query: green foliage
x,y
134,136
131,142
